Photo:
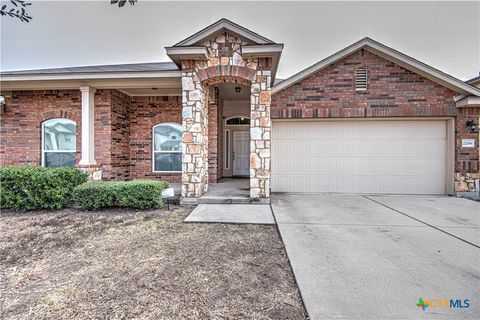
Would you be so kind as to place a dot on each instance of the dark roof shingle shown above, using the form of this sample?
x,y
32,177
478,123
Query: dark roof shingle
x,y
131,67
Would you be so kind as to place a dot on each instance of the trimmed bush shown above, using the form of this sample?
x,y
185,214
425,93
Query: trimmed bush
x,y
30,188
142,194
95,195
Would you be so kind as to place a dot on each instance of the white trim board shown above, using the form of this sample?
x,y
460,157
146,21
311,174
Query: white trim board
x,y
223,24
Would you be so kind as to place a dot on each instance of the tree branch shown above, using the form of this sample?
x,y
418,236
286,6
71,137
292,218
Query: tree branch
x,y
17,10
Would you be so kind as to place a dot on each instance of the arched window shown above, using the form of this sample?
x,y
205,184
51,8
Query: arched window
x,y
238,121
59,143
361,79
167,147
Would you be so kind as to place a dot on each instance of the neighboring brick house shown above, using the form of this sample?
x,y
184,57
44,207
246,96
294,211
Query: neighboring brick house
x,y
367,119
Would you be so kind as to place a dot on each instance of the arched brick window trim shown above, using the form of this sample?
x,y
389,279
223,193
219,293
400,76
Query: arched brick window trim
x,y
221,74
54,114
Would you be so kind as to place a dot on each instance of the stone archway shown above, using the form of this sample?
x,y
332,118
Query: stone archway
x,y
224,63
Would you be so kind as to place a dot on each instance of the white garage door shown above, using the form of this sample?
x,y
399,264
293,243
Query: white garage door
x,y
399,157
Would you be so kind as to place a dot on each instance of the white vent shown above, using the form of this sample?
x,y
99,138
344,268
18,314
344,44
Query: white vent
x,y
361,79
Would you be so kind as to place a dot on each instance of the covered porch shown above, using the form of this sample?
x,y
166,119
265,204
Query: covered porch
x,y
227,74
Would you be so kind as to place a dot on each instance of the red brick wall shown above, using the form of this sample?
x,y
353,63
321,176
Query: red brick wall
x,y
213,142
146,112
123,129
103,144
21,124
119,168
467,164
392,91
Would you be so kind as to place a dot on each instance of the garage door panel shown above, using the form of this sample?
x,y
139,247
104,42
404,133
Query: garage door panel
x,y
357,165
427,148
359,184
357,129
406,157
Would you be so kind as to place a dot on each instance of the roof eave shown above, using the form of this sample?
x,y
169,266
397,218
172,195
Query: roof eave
x,y
220,25
389,54
468,102
91,76
177,54
273,51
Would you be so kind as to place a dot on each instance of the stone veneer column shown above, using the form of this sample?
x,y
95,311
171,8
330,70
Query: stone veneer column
x,y
260,128
195,134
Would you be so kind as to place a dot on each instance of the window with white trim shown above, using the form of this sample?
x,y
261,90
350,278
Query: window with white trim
x,y
59,143
167,147
361,79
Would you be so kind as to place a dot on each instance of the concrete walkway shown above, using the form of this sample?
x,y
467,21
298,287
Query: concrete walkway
x,y
357,257
232,213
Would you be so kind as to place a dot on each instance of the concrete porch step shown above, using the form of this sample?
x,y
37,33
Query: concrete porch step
x,y
232,200
223,200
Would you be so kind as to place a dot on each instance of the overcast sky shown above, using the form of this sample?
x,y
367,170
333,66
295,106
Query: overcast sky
x,y
445,35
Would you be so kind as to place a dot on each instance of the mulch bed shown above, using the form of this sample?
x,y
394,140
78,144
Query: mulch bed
x,y
127,264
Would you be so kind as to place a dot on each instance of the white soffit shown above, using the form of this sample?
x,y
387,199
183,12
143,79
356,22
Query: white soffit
x,y
468,102
179,53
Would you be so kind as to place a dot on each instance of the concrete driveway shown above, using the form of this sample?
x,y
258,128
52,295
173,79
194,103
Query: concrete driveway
x,y
373,257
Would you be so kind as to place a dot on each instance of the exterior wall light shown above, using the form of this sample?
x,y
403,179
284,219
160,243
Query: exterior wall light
x,y
472,126
238,89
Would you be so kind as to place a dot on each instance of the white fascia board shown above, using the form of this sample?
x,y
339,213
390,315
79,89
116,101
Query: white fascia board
x,y
389,54
458,98
258,51
91,76
96,83
470,101
187,51
262,50
219,26
176,54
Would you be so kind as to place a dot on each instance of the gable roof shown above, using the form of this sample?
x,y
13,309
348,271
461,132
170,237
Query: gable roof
x,y
217,27
387,53
131,67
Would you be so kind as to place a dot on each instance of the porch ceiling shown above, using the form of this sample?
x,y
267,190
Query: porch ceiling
x,y
227,91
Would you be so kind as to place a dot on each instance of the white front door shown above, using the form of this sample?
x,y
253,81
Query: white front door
x,y
241,153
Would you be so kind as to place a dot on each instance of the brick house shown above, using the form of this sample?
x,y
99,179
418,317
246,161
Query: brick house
x,y
367,119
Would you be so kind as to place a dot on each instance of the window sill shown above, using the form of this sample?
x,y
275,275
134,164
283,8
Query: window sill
x,y
166,172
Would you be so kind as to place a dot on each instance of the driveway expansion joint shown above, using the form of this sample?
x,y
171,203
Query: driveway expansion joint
x,y
421,221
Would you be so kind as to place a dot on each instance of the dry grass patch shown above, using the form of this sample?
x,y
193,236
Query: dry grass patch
x,y
123,264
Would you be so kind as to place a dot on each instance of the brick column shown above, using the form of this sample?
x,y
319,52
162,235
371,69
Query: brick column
x,y
195,134
260,127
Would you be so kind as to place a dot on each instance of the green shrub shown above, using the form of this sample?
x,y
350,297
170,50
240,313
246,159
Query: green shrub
x,y
29,188
95,195
142,194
